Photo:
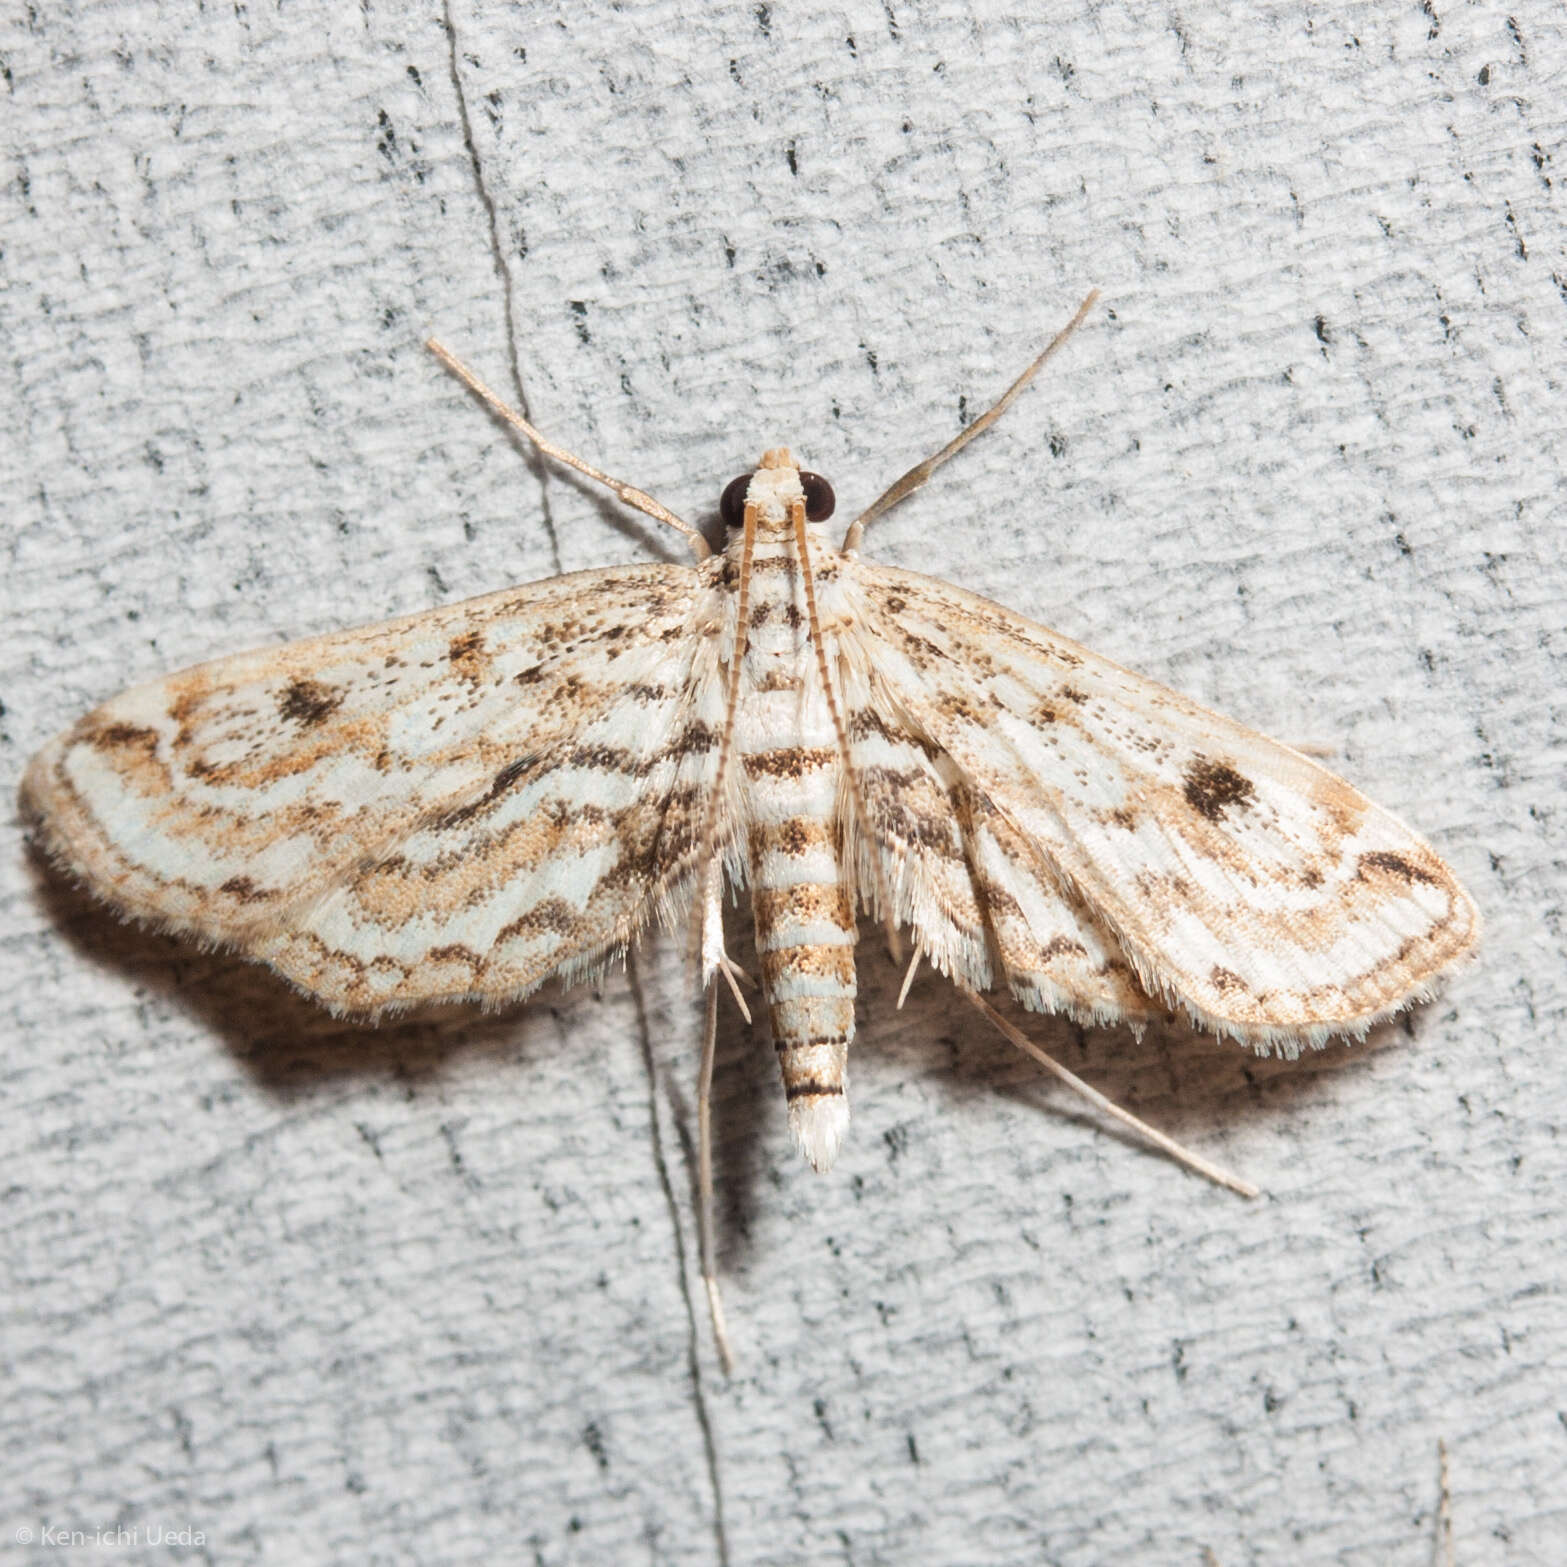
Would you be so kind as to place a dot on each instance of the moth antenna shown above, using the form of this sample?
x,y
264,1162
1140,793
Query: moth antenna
x,y
627,493
704,1181
814,628
1193,1161
920,472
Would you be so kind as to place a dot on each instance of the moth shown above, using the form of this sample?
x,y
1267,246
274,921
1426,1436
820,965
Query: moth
x,y
466,802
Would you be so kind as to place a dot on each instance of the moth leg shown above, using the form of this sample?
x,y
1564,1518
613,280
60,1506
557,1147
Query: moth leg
x,y
710,935
734,974
1193,1161
704,1181
908,979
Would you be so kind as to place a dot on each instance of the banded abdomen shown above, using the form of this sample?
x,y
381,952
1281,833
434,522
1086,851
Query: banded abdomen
x,y
800,895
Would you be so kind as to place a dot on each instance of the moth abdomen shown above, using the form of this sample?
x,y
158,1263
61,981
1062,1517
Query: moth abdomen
x,y
805,933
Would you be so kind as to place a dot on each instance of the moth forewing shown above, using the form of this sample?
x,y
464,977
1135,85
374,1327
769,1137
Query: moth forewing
x,y
453,806
1240,881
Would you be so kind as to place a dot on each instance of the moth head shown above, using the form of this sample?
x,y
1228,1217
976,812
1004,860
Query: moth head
x,y
770,487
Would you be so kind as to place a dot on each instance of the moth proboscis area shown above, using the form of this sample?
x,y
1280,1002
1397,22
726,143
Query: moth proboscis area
x,y
468,801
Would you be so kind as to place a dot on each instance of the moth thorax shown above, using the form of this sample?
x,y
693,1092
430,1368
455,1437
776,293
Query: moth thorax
x,y
815,1086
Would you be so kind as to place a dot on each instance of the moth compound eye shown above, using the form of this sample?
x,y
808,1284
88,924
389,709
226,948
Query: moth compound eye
x,y
731,505
819,498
